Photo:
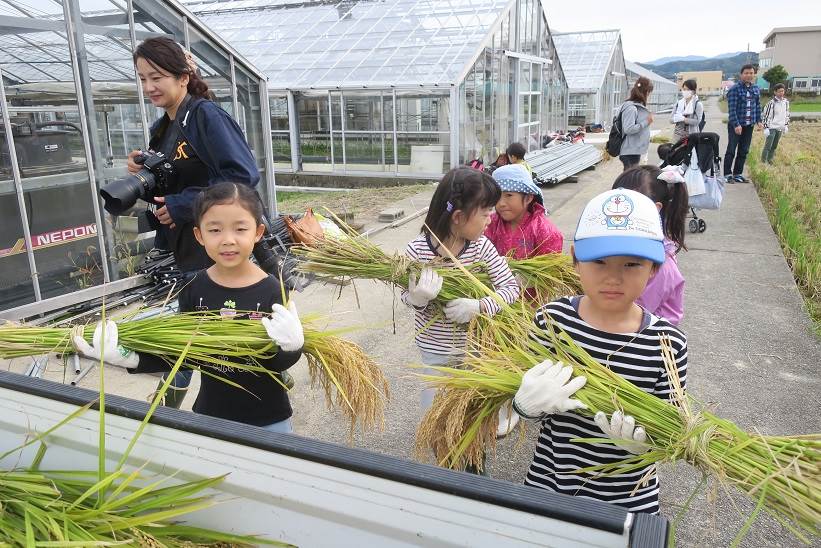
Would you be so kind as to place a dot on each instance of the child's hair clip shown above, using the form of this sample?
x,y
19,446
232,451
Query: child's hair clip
x,y
449,207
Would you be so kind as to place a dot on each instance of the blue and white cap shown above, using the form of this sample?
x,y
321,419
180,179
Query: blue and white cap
x,y
620,222
516,178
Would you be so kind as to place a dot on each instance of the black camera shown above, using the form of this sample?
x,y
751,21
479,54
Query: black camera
x,y
152,180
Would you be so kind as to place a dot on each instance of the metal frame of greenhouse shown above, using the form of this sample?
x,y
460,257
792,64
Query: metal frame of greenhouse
x,y
423,86
665,92
593,63
69,81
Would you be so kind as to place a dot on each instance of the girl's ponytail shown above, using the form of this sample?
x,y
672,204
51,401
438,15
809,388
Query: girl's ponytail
x,y
674,213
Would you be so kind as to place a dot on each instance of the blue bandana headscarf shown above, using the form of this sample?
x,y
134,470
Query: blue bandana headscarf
x,y
515,178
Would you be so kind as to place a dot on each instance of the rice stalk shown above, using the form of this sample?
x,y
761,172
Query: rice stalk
x,y
349,377
782,474
545,276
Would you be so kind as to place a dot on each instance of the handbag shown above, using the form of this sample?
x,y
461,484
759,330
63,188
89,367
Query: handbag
x,y
305,230
712,196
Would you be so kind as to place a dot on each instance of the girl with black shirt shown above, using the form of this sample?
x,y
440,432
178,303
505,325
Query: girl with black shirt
x,y
228,224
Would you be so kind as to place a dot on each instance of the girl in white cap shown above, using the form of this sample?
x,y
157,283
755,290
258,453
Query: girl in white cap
x,y
618,244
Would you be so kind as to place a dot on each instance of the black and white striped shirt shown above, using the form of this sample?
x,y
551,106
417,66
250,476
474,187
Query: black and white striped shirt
x,y
636,357
435,333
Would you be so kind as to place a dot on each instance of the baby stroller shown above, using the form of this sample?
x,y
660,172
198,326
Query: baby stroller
x,y
709,160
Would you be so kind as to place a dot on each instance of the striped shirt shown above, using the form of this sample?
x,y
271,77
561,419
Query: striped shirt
x,y
435,333
637,358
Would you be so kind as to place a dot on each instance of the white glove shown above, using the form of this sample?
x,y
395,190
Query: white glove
x,y
785,130
623,431
284,328
545,390
766,132
462,310
104,347
420,294
678,118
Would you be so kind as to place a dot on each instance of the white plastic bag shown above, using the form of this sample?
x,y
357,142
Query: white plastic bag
x,y
694,178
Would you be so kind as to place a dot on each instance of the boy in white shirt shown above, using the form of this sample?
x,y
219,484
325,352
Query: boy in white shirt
x,y
776,120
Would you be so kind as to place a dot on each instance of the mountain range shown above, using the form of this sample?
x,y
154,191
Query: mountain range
x,y
728,63
664,60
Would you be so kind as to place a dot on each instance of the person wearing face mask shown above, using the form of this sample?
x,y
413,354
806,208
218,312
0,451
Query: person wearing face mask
x,y
688,114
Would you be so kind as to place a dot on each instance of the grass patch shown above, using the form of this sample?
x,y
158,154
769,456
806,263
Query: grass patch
x,y
805,107
363,203
660,139
722,105
791,193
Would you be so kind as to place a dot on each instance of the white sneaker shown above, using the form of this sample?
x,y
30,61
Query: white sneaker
x,y
508,419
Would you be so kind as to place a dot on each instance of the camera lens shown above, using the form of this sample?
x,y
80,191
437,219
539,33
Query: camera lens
x,y
122,194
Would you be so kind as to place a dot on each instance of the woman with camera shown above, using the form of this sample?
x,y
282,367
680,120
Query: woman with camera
x,y
203,145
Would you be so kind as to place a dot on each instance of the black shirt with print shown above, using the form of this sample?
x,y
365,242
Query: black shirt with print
x,y
189,170
262,400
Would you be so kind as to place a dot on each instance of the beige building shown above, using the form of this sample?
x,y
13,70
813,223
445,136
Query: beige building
x,y
798,50
709,81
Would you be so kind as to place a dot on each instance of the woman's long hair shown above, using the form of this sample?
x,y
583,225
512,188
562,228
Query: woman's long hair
x,y
165,54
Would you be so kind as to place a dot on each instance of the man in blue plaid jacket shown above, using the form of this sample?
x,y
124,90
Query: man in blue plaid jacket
x,y
744,110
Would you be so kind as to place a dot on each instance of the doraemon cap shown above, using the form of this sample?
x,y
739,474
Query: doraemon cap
x,y
620,222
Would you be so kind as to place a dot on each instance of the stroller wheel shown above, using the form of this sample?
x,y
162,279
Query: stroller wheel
x,y
702,225
693,225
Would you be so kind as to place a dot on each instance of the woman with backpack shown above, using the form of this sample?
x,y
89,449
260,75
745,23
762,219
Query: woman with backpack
x,y
635,123
688,114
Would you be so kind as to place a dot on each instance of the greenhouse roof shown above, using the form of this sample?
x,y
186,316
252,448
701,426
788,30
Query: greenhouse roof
x,y
325,44
585,57
647,73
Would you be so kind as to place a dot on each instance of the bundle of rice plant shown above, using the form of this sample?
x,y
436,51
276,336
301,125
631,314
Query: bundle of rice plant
x,y
547,276
351,380
100,508
782,474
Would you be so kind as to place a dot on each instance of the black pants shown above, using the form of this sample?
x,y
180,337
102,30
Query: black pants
x,y
737,146
630,160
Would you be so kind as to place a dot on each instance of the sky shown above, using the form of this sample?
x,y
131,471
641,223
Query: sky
x,y
652,29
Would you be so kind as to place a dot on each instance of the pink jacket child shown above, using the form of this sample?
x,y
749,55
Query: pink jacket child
x,y
664,294
520,224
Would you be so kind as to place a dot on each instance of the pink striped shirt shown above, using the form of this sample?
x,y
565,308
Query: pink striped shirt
x,y
439,335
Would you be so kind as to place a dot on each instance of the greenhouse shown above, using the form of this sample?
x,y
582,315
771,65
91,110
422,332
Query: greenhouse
x,y
665,92
402,89
72,110
593,64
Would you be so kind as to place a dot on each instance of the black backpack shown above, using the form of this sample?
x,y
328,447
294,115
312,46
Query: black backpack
x,y
703,121
614,141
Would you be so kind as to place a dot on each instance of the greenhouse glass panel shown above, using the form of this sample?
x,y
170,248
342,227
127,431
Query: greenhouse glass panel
x,y
299,35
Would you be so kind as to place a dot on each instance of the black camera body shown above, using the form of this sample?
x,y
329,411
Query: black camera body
x,y
154,179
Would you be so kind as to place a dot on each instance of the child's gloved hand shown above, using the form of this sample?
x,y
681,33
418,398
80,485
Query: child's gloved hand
x,y
104,347
428,287
623,431
284,328
462,310
545,390
766,132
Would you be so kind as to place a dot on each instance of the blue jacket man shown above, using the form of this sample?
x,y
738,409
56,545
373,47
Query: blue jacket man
x,y
744,114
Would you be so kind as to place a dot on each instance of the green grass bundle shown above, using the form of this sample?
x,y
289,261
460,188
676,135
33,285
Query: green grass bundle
x,y
348,376
782,474
547,276
72,509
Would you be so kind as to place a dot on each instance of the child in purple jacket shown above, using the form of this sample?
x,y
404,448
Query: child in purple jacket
x,y
664,294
